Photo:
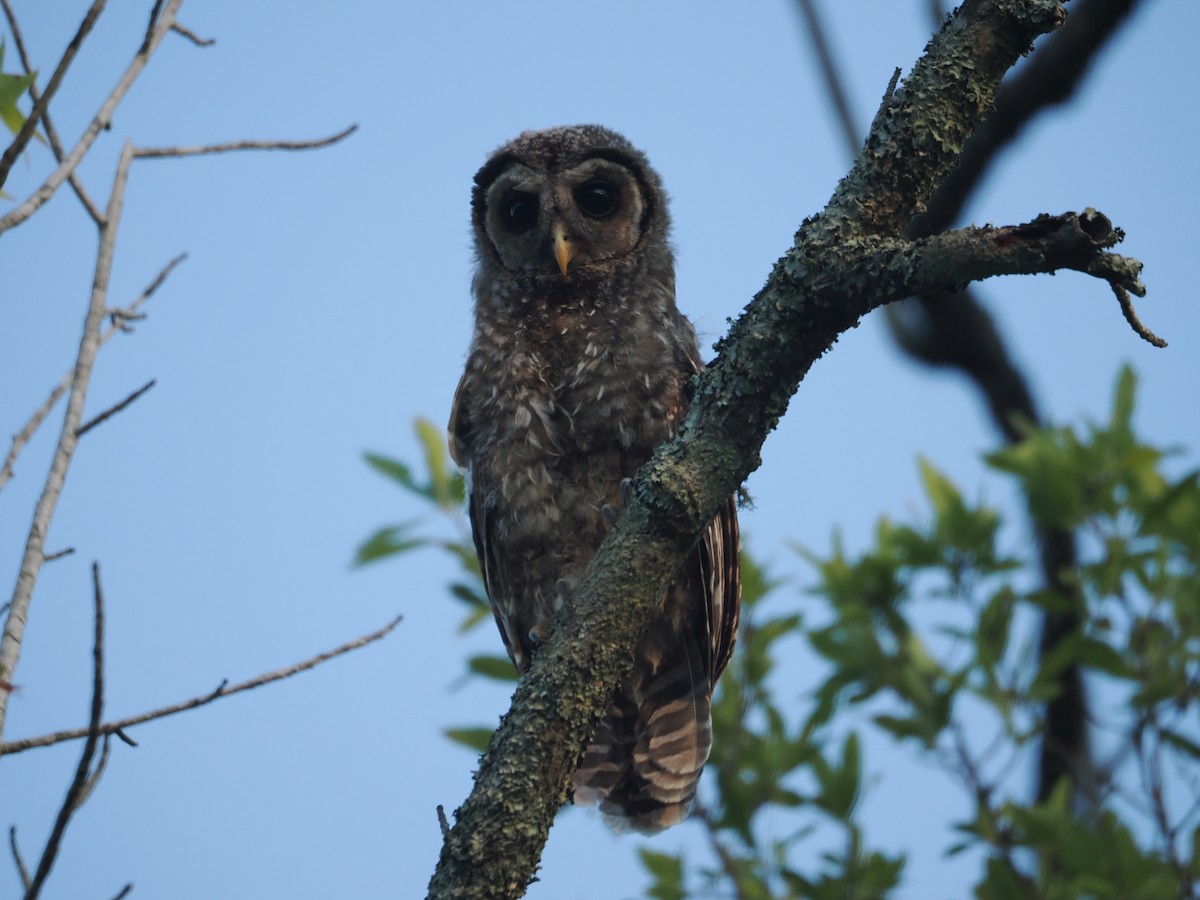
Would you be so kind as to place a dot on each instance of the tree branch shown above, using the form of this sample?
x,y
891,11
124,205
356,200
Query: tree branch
x,y
160,25
816,292
114,409
68,438
204,150
118,726
22,437
84,780
39,105
51,132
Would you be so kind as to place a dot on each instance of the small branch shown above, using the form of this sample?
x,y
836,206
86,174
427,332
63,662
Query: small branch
x,y
68,440
124,892
151,26
83,782
14,149
222,690
192,36
113,410
1050,77
443,823
58,554
1131,317
103,117
21,438
16,854
51,131
174,152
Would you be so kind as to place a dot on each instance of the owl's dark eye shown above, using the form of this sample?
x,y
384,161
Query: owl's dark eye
x,y
520,211
597,198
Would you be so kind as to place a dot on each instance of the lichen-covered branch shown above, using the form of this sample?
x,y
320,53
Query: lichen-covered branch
x,y
845,262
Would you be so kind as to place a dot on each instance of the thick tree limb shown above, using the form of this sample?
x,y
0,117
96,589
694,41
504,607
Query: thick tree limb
x,y
843,264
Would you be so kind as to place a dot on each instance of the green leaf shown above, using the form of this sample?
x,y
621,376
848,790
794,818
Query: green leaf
x,y
474,738
941,490
446,487
386,542
393,469
12,88
498,667
667,872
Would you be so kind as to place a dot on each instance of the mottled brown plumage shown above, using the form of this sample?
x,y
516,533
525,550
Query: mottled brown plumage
x,y
579,367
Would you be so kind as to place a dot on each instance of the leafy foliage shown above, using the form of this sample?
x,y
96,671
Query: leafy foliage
x,y
933,624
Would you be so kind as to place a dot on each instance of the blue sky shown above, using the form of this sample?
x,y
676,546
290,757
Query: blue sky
x,y
325,304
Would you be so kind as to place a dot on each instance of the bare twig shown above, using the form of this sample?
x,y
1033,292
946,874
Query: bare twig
x,y
124,892
51,131
83,781
58,554
14,149
68,440
17,859
443,822
101,120
113,410
223,690
192,36
21,438
173,152
1131,317
151,25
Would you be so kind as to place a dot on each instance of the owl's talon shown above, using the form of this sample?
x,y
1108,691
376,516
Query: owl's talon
x,y
535,640
564,590
625,490
610,514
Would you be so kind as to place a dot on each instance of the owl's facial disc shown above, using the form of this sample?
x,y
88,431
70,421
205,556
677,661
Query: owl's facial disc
x,y
564,221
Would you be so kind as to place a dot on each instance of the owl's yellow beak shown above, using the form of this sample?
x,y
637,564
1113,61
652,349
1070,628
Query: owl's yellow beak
x,y
563,251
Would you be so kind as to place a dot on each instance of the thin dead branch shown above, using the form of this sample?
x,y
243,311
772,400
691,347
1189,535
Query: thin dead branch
x,y
84,780
47,124
103,117
22,437
68,439
114,409
192,36
39,106
223,690
203,150
18,860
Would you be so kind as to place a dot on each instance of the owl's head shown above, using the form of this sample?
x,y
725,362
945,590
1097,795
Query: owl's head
x,y
568,203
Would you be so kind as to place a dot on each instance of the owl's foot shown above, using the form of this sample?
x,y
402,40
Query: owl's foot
x,y
563,588
611,515
536,639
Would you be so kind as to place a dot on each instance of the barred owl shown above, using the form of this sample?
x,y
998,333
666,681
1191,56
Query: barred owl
x,y
579,367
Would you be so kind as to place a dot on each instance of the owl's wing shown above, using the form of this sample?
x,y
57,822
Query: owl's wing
x,y
482,528
459,427
720,582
